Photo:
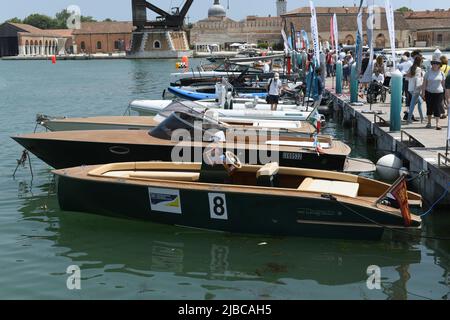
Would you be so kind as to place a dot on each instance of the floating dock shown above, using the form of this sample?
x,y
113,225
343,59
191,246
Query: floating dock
x,y
421,149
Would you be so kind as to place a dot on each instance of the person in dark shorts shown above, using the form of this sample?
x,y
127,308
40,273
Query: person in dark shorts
x,y
433,90
274,92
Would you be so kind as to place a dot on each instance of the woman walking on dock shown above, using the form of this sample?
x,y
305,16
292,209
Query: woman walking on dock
x,y
433,90
415,84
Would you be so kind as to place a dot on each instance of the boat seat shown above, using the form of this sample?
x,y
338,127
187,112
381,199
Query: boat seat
x,y
165,175
339,188
267,175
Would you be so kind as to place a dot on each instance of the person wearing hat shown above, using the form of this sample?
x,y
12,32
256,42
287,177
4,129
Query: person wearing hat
x,y
433,89
274,92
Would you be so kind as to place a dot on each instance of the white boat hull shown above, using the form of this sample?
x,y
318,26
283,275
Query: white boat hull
x,y
239,111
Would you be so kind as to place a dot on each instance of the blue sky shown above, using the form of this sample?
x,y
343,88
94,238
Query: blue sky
x,y
121,9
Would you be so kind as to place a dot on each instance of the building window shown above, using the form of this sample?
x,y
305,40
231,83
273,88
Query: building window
x,y
99,45
83,45
116,45
439,38
156,45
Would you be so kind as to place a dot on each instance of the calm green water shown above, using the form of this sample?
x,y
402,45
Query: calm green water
x,y
122,259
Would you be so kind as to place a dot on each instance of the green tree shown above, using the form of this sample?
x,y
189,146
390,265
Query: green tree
x,y
108,20
14,20
40,21
61,19
87,19
404,9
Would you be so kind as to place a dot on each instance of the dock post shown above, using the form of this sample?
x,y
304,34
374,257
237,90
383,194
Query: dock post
x,y
354,84
396,101
339,77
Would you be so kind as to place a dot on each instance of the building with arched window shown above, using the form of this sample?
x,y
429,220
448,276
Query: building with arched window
x,y
102,37
346,20
26,40
432,28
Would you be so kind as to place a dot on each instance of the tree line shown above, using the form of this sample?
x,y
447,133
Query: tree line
x,y
59,21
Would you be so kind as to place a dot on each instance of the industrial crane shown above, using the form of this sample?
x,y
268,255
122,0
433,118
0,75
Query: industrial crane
x,y
165,20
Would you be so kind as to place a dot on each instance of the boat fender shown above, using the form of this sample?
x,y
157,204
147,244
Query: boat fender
x,y
389,167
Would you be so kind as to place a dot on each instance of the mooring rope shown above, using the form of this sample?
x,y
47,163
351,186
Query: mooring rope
x,y
390,228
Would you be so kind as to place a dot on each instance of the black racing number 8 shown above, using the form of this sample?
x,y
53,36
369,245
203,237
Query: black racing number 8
x,y
219,208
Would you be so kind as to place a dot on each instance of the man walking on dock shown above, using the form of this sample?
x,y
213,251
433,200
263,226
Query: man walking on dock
x,y
274,93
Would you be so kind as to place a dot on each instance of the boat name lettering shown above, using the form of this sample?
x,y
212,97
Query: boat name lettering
x,y
292,156
318,213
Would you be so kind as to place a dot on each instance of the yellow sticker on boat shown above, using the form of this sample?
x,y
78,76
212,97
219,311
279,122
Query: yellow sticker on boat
x,y
165,200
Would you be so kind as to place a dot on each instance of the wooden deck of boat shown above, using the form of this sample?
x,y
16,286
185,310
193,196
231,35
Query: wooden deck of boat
x,y
143,138
83,173
114,120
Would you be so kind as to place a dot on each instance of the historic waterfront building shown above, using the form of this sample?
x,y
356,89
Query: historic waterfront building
x,y
102,37
220,30
17,39
346,18
25,40
432,28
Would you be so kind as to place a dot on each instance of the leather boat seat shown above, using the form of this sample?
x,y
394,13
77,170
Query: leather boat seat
x,y
339,188
267,175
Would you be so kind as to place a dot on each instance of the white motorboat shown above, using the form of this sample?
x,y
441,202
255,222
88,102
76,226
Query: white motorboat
x,y
250,110
149,122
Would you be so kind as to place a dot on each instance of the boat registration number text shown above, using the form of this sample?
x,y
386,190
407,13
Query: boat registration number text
x,y
292,156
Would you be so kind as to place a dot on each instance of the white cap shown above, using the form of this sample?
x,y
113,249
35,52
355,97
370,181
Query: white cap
x,y
437,56
276,75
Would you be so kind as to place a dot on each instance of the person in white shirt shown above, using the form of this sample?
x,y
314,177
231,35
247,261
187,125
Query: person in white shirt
x,y
266,68
274,93
378,77
404,67
415,82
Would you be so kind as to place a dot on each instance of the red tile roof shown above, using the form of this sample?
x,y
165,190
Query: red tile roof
x,y
105,27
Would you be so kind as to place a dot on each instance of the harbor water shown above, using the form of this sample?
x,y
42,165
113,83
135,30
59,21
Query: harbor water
x,y
126,259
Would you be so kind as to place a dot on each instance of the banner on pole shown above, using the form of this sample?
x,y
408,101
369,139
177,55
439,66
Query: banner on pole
x,y
359,44
305,39
370,26
391,27
336,34
315,32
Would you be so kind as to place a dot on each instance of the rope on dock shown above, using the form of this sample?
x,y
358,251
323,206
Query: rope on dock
x,y
437,202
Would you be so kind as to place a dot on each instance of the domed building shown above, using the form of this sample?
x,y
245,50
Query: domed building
x,y
217,10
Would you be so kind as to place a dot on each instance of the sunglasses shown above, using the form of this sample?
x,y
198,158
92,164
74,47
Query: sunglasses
x,y
435,63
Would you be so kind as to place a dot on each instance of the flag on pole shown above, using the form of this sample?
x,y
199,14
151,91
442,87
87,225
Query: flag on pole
x,y
315,120
305,39
359,44
285,39
336,34
315,32
400,192
332,32
293,33
370,24
391,27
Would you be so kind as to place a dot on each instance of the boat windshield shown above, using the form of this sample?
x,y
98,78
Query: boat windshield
x,y
193,122
182,106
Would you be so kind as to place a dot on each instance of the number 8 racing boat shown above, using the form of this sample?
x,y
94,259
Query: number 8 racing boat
x,y
237,198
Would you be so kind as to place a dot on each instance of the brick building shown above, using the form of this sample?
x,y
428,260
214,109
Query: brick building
x,y
102,37
346,18
432,28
